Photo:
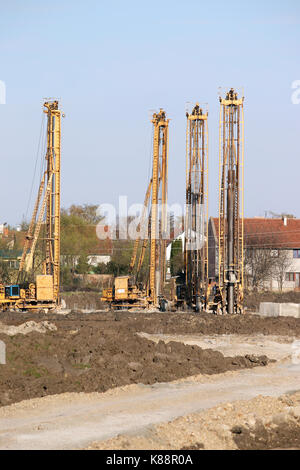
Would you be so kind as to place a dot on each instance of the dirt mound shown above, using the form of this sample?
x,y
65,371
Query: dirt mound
x,y
101,350
258,424
172,323
96,355
83,300
27,327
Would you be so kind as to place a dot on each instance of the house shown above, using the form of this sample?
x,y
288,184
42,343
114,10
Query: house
x,y
275,243
181,237
11,247
11,257
87,243
100,252
3,230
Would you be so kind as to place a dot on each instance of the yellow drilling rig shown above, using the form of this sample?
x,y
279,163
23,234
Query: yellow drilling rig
x,y
227,296
127,291
192,291
196,290
41,292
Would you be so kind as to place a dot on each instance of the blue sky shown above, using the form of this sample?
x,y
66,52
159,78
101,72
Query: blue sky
x,y
112,63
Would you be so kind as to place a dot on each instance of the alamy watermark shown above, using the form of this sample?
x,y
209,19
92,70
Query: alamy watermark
x,y
2,352
130,223
295,98
2,92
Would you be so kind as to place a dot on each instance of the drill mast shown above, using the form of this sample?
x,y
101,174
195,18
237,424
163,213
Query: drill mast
x,y
127,291
196,240
52,262
231,181
47,205
158,228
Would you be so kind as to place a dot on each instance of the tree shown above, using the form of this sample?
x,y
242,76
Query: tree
x,y
82,266
4,272
77,238
101,268
176,259
87,212
24,225
259,266
264,260
282,263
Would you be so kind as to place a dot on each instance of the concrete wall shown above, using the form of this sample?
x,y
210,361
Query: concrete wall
x,y
272,309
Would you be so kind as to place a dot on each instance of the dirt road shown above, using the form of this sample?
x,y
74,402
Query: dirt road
x,y
95,376
71,421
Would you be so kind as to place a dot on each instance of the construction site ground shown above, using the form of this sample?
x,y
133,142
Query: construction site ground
x,y
125,380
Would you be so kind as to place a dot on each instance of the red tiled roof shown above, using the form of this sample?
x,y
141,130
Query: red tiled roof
x,y
14,236
271,233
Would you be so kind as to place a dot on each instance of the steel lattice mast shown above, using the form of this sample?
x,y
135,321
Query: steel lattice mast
x,y
196,240
48,202
231,226
158,218
52,262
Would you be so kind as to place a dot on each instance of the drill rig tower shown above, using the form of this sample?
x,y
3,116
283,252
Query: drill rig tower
x,y
47,214
231,225
127,291
158,219
196,240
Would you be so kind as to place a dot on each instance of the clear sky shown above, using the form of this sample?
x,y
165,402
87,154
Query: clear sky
x,y
113,62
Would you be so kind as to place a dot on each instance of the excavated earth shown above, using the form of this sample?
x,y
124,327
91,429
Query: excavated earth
x,y
263,423
101,350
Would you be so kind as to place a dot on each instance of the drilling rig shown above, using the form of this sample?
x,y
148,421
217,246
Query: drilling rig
x,y
127,291
158,231
193,291
229,288
43,291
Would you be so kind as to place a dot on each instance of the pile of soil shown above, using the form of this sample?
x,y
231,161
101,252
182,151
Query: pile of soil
x,y
258,424
27,327
167,323
86,300
283,436
96,352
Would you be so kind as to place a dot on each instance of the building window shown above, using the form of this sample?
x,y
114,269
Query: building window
x,y
290,276
296,253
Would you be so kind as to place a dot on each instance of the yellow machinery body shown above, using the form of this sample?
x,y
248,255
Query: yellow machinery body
x,y
125,294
